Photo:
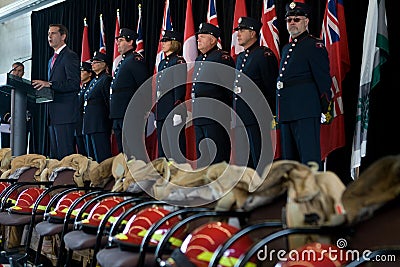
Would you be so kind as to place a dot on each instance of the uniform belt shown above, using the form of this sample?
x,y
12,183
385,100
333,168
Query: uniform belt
x,y
295,82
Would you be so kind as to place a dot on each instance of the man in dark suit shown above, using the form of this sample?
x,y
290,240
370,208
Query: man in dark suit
x,y
208,128
64,80
261,66
129,75
303,88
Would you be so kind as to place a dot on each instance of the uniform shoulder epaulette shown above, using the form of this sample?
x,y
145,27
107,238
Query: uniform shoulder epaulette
x,y
267,51
318,41
315,37
137,56
180,60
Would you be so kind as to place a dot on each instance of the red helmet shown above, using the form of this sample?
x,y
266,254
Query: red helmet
x,y
12,199
138,225
99,210
26,200
315,255
62,206
200,245
3,186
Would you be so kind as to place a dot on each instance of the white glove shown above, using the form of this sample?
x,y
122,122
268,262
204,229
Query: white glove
x,y
323,118
176,120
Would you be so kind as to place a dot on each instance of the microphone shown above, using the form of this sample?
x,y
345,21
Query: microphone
x,y
21,63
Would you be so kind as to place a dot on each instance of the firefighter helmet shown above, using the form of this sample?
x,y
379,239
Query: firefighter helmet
x,y
136,228
98,212
26,200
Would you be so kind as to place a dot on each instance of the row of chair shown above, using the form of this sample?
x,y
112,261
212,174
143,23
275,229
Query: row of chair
x,y
98,222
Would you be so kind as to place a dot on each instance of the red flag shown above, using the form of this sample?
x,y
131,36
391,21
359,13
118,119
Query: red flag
x,y
116,56
335,37
269,30
85,54
102,46
240,11
116,59
189,44
190,53
212,16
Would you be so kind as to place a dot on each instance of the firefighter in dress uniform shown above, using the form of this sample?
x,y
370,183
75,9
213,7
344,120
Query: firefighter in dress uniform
x,y
96,121
207,128
260,64
86,78
129,75
167,118
303,88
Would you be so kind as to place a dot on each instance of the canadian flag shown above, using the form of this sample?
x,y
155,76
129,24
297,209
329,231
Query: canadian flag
x,y
85,53
190,53
116,56
240,11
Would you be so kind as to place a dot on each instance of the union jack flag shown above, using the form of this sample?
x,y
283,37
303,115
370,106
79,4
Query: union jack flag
x,y
166,26
269,31
335,38
139,40
212,16
102,46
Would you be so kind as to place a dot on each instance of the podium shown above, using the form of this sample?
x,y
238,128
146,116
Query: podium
x,y
21,91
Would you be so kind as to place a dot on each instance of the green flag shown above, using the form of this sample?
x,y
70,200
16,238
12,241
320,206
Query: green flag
x,y
375,53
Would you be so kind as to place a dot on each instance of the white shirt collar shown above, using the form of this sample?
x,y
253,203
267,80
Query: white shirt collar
x,y
58,51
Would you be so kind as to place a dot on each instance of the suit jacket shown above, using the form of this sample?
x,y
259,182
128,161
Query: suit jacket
x,y
97,105
167,77
305,77
65,79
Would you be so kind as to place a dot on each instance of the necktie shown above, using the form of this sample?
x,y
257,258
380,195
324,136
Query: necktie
x,y
53,60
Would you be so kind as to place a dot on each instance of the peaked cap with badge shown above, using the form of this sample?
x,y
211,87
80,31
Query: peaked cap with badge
x,y
208,28
298,9
127,34
248,23
171,36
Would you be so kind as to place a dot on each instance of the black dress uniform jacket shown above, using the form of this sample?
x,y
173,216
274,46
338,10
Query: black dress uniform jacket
x,y
304,79
97,104
261,66
166,102
209,90
129,75
81,96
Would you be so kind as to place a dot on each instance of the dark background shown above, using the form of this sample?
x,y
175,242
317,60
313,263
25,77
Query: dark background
x,y
382,137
